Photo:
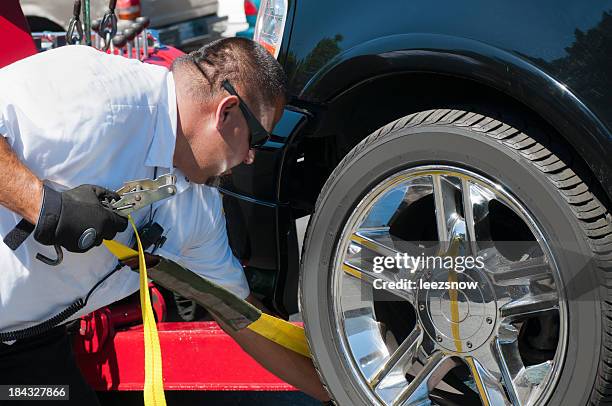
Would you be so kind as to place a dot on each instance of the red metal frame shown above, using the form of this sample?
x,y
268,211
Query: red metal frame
x,y
196,356
15,40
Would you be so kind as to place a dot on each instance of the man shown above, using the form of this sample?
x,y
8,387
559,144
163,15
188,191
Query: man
x,y
75,117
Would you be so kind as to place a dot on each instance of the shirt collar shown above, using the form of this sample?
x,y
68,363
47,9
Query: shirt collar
x,y
161,150
182,183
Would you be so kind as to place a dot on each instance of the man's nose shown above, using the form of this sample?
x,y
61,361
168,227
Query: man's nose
x,y
250,158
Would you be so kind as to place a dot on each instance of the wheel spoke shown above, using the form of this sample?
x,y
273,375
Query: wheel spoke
x,y
401,358
512,370
530,304
417,392
522,272
488,385
417,189
376,240
361,264
511,365
383,278
468,214
379,241
363,334
447,207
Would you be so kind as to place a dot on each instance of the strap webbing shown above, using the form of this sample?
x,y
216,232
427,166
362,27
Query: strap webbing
x,y
190,285
18,235
154,382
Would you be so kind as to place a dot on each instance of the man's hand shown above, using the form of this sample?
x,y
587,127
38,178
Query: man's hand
x,y
76,219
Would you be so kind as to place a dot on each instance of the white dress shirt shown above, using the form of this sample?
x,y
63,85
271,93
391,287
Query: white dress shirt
x,y
75,115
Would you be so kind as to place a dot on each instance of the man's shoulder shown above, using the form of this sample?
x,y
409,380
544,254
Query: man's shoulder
x,y
70,58
83,66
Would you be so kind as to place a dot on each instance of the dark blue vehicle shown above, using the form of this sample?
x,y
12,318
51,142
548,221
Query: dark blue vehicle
x,y
419,130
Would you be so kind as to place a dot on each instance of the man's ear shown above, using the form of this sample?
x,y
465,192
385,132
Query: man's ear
x,y
224,109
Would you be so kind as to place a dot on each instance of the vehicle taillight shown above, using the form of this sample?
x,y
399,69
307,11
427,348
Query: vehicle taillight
x,y
249,8
128,9
270,24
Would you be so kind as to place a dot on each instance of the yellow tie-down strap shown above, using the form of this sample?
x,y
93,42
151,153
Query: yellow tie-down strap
x,y
154,382
282,333
229,308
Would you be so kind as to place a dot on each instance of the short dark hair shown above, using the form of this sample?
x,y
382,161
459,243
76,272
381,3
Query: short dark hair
x,y
246,64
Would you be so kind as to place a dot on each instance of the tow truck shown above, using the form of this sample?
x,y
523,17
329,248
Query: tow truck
x,y
108,343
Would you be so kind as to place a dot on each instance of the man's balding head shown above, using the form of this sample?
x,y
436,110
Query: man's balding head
x,y
252,70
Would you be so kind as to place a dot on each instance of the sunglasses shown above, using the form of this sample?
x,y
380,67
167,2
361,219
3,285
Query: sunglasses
x,y
257,133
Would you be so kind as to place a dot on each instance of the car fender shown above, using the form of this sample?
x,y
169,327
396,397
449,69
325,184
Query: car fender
x,y
510,73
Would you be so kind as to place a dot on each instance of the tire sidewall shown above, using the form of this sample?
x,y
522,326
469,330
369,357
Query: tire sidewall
x,y
375,160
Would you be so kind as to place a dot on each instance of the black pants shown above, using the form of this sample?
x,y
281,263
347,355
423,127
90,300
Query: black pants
x,y
45,360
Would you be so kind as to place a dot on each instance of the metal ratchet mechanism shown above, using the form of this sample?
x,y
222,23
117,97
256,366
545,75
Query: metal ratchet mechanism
x,y
134,195
140,193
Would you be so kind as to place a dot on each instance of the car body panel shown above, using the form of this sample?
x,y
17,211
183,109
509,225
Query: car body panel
x,y
256,214
511,26
468,59
270,159
560,75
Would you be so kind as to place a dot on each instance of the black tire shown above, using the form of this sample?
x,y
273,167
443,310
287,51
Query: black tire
x,y
524,163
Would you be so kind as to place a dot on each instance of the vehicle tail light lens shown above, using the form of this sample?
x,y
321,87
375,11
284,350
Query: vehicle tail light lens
x,y
128,9
249,8
270,24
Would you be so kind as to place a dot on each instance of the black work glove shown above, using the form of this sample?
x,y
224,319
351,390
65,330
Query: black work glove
x,y
77,219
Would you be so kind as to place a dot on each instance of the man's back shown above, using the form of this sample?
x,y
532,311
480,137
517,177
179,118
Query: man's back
x,y
75,116
72,101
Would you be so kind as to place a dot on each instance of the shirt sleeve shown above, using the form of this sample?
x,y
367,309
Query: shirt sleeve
x,y
206,251
3,129
4,125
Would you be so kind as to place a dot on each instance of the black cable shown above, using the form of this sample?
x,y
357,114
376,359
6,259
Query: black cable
x,y
117,267
44,326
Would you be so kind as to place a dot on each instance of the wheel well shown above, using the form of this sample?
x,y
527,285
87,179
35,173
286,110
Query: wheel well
x,y
38,24
359,111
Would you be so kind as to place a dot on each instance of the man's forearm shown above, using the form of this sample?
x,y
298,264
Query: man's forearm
x,y
20,189
290,366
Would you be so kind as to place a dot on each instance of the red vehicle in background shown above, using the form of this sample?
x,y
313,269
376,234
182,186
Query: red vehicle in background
x,y
109,342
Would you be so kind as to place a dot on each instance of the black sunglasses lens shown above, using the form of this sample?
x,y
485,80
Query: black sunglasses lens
x,y
257,134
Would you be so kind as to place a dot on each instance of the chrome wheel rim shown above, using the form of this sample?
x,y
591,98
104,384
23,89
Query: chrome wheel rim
x,y
480,329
